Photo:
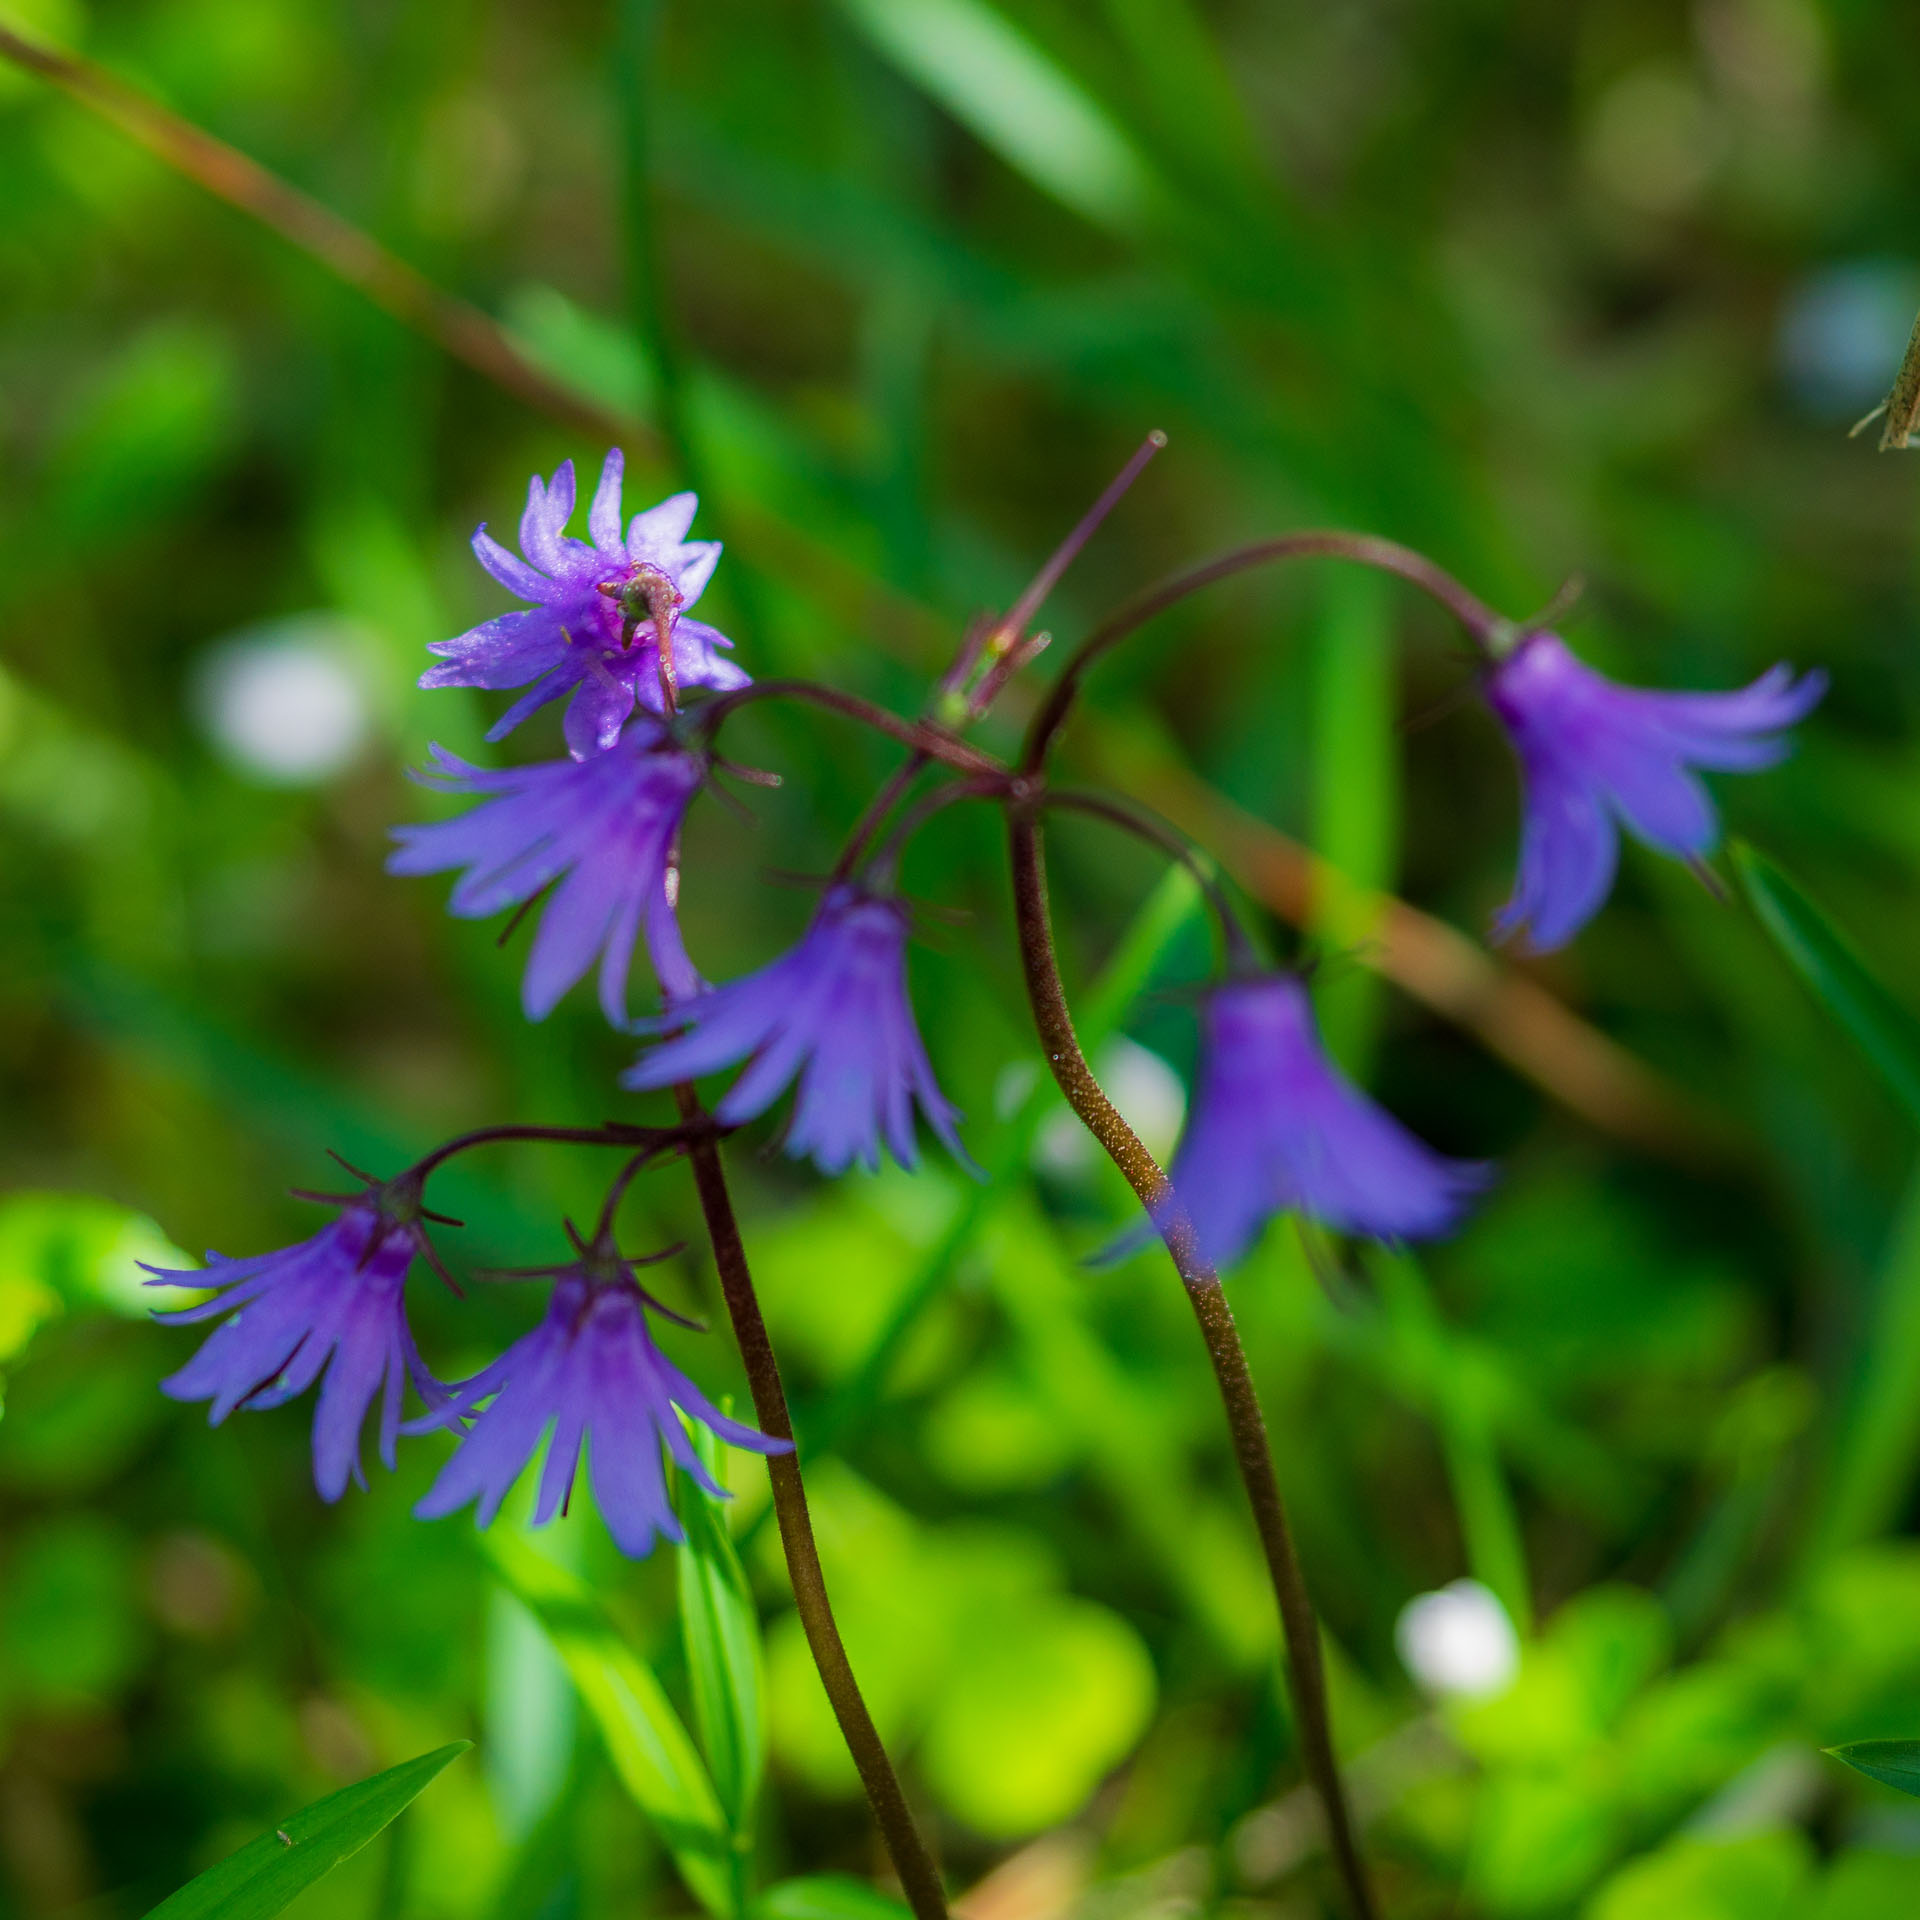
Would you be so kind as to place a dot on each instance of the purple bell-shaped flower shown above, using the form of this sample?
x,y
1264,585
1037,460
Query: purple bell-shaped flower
x,y
1595,755
592,1375
831,1015
604,828
1275,1127
331,1309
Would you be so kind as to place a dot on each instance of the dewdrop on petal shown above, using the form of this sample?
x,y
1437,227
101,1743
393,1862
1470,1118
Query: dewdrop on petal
x,y
1458,1643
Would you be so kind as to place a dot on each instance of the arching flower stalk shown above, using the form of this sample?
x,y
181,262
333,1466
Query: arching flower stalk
x,y
1273,1125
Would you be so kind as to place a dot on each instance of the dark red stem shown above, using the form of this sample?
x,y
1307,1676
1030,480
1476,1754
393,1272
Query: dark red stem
x,y
936,743
1480,621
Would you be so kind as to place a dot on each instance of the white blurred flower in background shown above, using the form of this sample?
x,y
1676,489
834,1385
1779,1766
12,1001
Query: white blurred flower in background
x,y
1458,1643
286,704
1146,1090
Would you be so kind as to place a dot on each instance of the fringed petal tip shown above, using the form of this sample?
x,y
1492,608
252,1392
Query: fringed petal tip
x,y
963,1159
1597,756
448,774
1406,1220
176,1276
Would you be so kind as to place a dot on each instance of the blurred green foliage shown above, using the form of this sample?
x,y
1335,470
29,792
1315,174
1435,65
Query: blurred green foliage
x,y
1591,288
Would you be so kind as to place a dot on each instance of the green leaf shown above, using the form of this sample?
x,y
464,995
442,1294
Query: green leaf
x,y
1017,100
1875,1452
60,1251
1826,959
1894,1763
720,1628
827,1896
1756,1876
267,1873
1189,90
650,1749
1055,1693
594,357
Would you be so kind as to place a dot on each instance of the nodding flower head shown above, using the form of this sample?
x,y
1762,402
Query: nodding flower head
x,y
333,1305
591,1372
604,828
1275,1127
593,629
1595,756
832,1012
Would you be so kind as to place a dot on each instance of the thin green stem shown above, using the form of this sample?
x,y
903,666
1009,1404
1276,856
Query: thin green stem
x,y
1457,1390
919,1878
1252,1452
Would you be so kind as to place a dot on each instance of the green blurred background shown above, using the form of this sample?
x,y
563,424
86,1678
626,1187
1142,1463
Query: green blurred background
x,y
1594,288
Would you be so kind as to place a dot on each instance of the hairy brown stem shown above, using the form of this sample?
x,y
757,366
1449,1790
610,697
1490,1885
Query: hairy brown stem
x,y
919,1879
1480,621
1252,1452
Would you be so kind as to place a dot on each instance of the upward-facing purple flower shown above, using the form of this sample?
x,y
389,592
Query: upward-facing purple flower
x,y
589,1371
590,631
834,1011
603,827
334,1304
1275,1127
1595,755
